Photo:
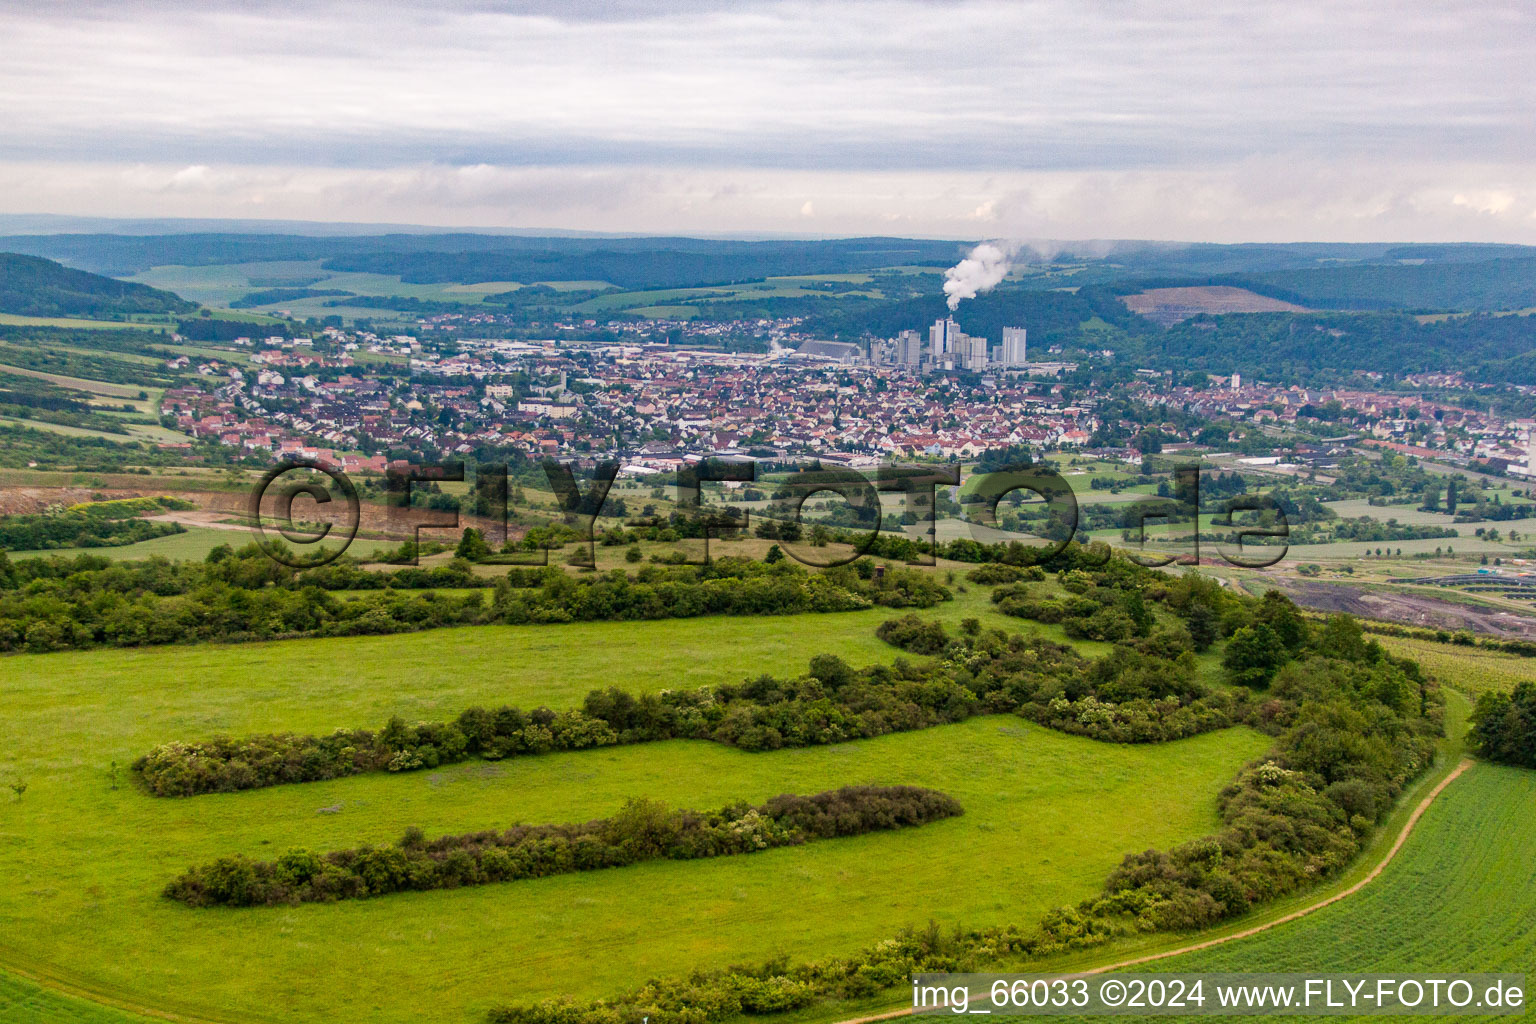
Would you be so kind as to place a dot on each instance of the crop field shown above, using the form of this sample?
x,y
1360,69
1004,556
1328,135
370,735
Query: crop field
x,y
74,323
84,853
1458,897
1468,669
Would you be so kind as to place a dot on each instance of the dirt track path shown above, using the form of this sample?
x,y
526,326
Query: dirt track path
x,y
1402,837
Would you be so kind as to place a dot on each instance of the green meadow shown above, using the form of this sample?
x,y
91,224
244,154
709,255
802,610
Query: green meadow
x,y
194,544
84,853
1457,898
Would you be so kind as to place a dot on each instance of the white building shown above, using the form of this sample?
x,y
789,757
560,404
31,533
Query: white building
x,y
941,337
1015,347
973,353
949,346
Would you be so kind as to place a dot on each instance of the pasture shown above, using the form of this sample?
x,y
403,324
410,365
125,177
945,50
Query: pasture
x,y
83,853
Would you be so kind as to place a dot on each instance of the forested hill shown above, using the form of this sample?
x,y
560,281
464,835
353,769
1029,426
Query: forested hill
x,y
30,286
1492,348
1505,283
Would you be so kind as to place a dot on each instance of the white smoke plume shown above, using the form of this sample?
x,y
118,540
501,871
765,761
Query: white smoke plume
x,y
979,272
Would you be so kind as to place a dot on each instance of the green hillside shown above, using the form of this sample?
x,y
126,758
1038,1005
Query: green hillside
x,y
30,286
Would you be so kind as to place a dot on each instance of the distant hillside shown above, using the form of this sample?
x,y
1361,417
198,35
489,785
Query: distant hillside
x,y
30,286
1473,285
1282,346
651,262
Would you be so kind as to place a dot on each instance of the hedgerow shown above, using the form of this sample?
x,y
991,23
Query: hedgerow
x,y
92,524
58,603
643,830
830,704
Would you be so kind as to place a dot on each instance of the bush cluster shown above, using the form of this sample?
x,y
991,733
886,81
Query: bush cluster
x,y
642,830
993,573
1504,725
1141,692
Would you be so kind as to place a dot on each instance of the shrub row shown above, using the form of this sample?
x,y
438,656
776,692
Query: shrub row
x,y
830,704
1460,637
54,604
642,830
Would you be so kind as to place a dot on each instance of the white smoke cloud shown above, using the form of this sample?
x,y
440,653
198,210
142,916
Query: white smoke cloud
x,y
979,272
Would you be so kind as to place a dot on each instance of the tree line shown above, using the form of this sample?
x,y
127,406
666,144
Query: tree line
x,y
643,830
91,525
1504,725
60,603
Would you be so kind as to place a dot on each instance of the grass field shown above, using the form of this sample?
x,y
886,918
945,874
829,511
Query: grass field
x,y
1457,898
81,862
66,430
23,1002
75,323
1047,816
193,544
95,387
136,431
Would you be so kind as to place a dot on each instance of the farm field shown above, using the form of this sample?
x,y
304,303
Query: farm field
x,y
1457,898
1471,670
136,431
1171,304
76,323
1047,815
221,284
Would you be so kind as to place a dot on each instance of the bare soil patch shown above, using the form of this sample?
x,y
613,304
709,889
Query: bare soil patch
x,y
1166,306
1409,609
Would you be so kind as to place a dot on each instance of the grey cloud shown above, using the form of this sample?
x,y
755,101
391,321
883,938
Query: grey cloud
x,y
1267,104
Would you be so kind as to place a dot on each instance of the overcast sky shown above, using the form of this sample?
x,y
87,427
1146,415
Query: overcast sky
x,y
1219,120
